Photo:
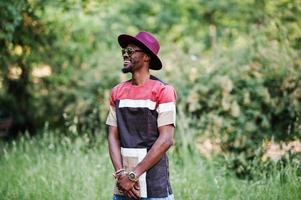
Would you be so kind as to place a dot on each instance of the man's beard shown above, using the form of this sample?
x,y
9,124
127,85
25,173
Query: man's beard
x,y
127,69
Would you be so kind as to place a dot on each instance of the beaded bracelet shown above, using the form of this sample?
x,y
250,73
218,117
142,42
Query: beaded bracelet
x,y
115,174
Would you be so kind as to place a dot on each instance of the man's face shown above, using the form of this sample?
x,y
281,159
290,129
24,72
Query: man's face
x,y
133,58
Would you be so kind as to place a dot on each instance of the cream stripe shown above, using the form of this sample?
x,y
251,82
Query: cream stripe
x,y
138,153
165,107
137,104
111,119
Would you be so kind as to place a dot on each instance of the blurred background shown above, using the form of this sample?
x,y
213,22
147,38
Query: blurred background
x,y
236,67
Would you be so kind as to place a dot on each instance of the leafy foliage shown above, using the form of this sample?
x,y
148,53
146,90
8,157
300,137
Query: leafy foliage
x,y
235,65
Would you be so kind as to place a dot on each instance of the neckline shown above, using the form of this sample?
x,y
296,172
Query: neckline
x,y
137,86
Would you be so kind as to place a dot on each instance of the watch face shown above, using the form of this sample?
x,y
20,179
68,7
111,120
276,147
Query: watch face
x,y
132,176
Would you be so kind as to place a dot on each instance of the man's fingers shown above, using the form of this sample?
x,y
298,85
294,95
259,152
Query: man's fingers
x,y
136,193
131,195
136,186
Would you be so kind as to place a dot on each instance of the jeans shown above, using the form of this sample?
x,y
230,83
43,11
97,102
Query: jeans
x,y
119,197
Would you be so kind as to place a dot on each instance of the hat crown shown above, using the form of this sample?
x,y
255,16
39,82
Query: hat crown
x,y
149,41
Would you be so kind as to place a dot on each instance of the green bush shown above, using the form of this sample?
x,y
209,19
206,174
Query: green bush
x,y
249,94
235,66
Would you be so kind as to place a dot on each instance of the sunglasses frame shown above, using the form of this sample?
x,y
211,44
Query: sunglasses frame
x,y
130,51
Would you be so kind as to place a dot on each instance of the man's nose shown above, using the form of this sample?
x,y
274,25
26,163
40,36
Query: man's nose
x,y
126,55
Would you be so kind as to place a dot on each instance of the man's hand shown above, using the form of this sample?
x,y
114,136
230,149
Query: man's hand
x,y
129,188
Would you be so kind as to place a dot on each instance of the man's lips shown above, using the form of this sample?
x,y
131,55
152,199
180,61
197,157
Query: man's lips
x,y
126,63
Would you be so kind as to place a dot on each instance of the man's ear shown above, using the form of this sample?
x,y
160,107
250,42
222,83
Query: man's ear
x,y
147,58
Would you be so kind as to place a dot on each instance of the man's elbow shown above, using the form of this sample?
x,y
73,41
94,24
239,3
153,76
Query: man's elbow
x,y
166,135
168,143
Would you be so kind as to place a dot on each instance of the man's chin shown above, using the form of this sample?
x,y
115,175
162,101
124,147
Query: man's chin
x,y
127,69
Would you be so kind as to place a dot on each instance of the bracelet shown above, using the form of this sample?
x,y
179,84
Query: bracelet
x,y
120,170
115,174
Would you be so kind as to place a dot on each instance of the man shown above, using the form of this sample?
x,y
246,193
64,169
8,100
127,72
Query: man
x,y
141,123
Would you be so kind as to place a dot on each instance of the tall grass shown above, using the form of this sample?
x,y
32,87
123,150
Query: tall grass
x,y
52,166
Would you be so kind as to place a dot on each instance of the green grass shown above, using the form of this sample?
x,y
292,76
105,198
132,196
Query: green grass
x,y
57,167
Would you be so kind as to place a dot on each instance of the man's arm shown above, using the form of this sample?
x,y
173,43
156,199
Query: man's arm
x,y
114,147
160,147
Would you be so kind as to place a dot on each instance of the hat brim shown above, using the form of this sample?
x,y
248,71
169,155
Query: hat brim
x,y
124,40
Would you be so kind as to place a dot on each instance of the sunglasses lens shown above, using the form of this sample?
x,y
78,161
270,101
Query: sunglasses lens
x,y
129,51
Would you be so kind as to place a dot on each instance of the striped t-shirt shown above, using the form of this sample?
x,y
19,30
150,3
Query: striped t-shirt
x,y
138,111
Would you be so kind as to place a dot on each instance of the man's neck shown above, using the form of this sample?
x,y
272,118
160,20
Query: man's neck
x,y
140,77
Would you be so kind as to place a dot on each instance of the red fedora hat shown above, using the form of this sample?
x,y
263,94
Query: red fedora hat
x,y
147,42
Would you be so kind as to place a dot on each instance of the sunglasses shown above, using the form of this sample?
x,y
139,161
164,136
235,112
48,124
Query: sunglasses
x,y
130,51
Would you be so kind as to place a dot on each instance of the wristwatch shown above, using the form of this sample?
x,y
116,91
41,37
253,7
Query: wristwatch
x,y
132,176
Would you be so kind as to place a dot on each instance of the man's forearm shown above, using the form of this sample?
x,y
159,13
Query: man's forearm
x,y
159,148
114,148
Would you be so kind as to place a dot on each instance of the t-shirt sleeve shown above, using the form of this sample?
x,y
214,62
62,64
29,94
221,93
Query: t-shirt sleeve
x,y
111,119
167,106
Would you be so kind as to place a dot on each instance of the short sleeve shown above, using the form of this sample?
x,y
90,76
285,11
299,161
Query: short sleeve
x,y
167,106
111,119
